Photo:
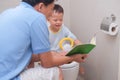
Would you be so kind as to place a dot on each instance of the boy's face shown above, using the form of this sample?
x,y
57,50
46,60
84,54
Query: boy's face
x,y
56,20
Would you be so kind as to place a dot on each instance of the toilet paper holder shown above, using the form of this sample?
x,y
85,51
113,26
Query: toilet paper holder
x,y
108,25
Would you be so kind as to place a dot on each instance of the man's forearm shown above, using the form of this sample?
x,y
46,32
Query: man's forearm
x,y
51,59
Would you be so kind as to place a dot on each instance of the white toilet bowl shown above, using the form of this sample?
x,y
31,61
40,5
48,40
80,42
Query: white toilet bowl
x,y
70,71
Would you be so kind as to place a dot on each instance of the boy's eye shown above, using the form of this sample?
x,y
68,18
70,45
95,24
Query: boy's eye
x,y
61,20
55,20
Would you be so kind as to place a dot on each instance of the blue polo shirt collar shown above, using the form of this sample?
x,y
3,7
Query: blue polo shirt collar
x,y
26,5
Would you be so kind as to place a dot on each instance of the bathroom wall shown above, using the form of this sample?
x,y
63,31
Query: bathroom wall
x,y
103,62
5,4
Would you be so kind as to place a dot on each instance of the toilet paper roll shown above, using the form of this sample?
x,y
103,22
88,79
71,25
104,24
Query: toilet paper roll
x,y
109,28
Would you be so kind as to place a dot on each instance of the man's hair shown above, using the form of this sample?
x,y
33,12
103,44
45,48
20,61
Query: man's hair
x,y
57,8
35,2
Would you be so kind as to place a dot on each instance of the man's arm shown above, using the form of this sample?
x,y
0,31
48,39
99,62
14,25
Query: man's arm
x,y
50,59
35,58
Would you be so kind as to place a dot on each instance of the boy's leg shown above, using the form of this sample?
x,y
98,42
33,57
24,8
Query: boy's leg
x,y
61,74
82,71
40,73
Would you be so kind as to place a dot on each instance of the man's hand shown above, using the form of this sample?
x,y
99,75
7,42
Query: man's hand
x,y
63,53
79,57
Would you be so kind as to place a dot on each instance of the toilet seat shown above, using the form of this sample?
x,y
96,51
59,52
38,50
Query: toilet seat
x,y
70,65
70,71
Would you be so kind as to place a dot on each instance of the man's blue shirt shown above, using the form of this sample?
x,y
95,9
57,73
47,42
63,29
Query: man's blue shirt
x,y
23,31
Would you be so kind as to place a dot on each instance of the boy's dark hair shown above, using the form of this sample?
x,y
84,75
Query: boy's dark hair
x,y
34,2
58,8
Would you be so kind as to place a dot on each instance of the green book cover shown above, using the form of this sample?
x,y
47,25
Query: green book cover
x,y
81,49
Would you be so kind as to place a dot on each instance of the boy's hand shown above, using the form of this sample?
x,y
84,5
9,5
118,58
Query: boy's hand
x,y
77,42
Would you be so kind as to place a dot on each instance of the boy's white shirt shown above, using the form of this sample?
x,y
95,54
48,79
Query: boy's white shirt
x,y
56,37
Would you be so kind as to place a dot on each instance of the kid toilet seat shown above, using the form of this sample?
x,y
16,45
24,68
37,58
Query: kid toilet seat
x,y
69,65
70,71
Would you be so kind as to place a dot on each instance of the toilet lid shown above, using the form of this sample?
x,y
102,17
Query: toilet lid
x,y
70,65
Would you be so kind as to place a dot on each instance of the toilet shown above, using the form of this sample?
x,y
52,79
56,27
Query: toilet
x,y
70,71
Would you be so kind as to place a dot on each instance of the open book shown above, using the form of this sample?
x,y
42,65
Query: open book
x,y
83,48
